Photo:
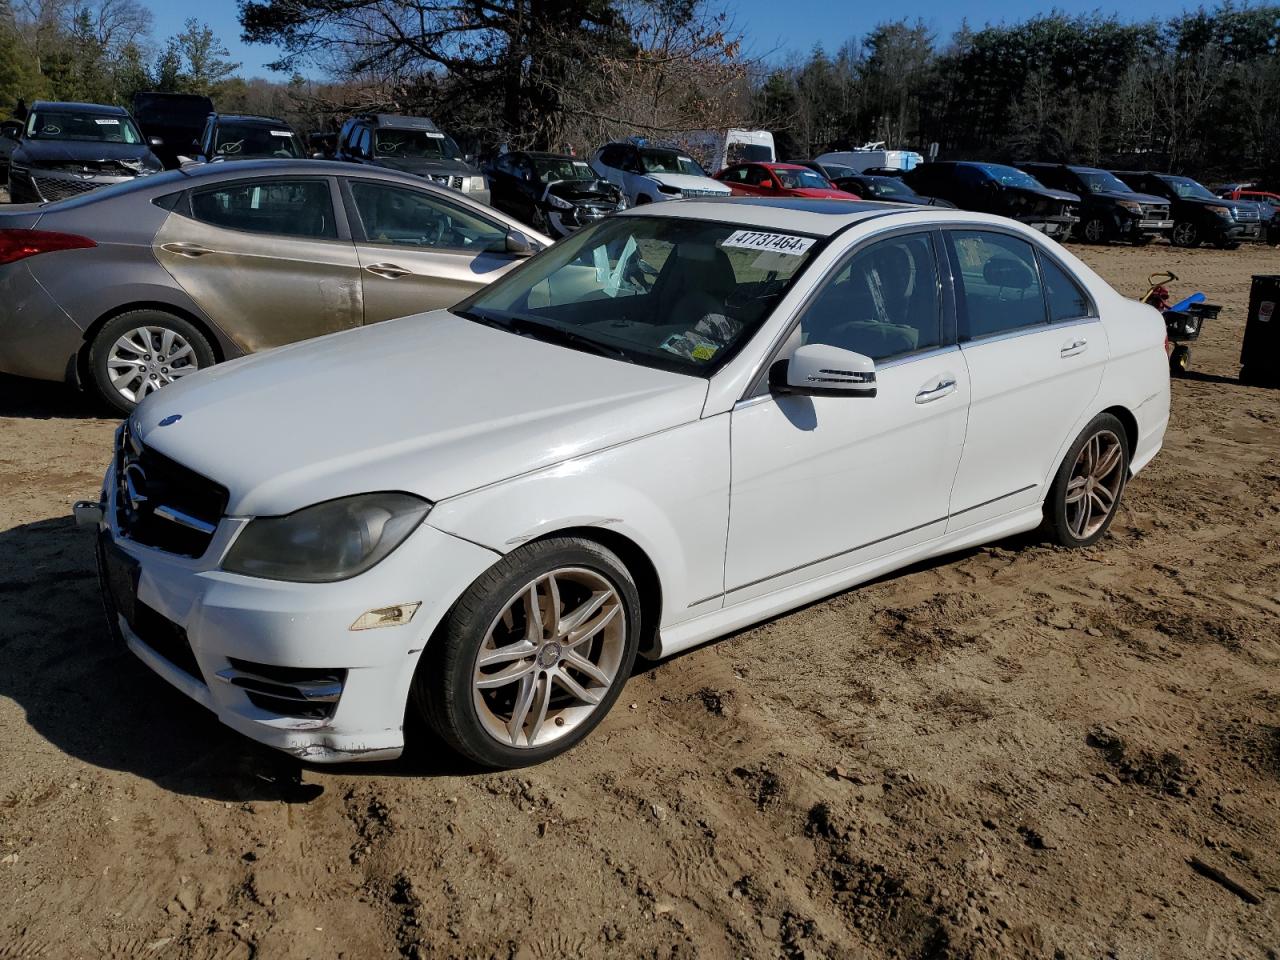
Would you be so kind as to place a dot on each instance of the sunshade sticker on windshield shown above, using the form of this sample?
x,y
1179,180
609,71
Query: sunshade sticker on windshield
x,y
773,242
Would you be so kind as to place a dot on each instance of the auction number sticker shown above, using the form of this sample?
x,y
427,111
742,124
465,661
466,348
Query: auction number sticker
x,y
281,133
771,242
107,123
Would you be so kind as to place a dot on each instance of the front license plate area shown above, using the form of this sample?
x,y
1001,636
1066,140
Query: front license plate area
x,y
119,581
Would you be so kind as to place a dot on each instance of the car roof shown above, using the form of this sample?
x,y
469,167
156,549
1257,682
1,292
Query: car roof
x,y
546,155
775,165
251,118
102,108
301,167
798,214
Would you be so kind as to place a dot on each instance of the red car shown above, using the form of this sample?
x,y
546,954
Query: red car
x,y
780,180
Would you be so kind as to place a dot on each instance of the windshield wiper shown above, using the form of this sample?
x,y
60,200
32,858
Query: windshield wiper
x,y
535,327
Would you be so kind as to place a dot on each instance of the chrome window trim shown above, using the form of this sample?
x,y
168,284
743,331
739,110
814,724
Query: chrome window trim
x,y
1023,332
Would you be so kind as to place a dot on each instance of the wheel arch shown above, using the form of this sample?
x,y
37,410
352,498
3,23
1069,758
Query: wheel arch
x,y
161,306
1130,423
638,564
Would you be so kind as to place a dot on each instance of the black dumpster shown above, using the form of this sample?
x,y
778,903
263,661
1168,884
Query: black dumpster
x,y
1260,354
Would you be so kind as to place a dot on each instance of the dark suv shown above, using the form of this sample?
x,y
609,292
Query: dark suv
x,y
996,188
1198,216
229,136
1109,208
412,145
68,149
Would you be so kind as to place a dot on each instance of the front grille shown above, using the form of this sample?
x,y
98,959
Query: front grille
x,y
166,638
162,504
1247,214
445,180
1152,211
306,692
57,188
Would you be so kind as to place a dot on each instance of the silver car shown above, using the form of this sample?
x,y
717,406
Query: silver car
x,y
134,286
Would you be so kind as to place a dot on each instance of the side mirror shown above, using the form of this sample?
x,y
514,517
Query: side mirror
x,y
159,142
821,370
518,244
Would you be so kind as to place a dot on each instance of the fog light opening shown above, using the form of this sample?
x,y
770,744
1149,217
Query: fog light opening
x,y
393,616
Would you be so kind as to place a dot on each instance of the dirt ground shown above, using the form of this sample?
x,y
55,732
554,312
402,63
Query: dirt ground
x,y
1014,752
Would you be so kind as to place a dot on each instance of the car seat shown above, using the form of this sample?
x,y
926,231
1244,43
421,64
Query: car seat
x,y
699,280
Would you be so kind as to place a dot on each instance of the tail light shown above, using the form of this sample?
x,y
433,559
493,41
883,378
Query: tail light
x,y
19,244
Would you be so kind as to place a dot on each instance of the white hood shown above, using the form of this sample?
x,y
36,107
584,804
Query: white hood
x,y
684,181
431,404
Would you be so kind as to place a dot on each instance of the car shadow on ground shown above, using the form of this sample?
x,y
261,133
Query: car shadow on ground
x,y
46,400
91,698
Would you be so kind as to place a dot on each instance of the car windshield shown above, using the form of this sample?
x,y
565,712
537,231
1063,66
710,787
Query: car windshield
x,y
681,295
1009,176
256,140
415,145
669,161
835,171
1099,181
800,179
73,125
890,187
551,169
1186,187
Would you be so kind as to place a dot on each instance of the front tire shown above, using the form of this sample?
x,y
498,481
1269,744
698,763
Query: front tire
x,y
1086,492
1095,230
1185,234
137,353
533,655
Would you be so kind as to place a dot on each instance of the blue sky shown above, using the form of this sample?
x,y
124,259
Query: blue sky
x,y
771,27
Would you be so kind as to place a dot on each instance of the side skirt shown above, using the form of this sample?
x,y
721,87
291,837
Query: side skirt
x,y
690,633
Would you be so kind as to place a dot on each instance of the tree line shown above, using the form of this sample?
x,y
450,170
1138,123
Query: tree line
x,y
1195,93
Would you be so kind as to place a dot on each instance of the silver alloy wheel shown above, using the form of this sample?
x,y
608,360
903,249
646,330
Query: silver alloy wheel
x,y
148,358
1095,231
1094,487
549,657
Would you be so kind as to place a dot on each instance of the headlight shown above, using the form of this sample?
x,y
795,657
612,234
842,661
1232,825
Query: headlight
x,y
559,202
330,541
1220,211
1133,206
670,191
473,184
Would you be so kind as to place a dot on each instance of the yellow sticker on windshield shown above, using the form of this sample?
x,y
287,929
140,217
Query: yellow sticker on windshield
x,y
704,351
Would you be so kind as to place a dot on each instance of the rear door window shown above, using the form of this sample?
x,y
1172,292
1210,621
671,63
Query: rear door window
x,y
1066,299
998,285
287,208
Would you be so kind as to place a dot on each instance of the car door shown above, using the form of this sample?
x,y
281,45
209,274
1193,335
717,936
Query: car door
x,y
735,178
265,258
1035,352
820,484
418,251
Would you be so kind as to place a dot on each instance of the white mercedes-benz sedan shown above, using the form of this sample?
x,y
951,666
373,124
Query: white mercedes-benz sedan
x,y
679,421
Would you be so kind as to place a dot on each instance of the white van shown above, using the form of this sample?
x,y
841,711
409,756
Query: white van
x,y
872,156
717,149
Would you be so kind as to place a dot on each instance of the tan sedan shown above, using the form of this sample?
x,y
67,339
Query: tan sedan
x,y
134,286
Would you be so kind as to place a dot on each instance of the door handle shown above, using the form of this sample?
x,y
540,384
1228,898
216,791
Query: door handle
x,y
946,384
390,271
1074,348
192,250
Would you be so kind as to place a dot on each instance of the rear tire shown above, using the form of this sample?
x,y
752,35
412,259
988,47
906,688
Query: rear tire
x,y
1180,360
1086,492
550,678
127,361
